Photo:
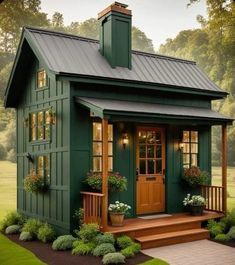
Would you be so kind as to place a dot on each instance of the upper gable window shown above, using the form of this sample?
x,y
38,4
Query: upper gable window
x,y
41,79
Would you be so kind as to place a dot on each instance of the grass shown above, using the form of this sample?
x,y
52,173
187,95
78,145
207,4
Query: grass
x,y
12,253
216,180
7,187
155,262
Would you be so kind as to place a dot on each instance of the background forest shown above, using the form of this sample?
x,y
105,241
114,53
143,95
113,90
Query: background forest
x,y
212,47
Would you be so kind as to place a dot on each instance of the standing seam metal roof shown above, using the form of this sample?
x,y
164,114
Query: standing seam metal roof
x,y
65,53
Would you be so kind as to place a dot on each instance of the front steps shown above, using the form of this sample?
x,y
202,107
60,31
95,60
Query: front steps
x,y
178,228
171,238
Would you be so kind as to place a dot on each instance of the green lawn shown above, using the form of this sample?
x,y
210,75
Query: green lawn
x,y
155,262
7,187
216,180
13,254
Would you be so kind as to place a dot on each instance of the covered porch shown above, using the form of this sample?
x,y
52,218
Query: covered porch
x,y
96,204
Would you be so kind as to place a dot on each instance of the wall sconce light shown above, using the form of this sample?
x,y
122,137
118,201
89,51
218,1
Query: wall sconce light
x,y
181,146
125,140
30,157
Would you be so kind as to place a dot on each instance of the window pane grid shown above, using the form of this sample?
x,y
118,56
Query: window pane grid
x,y
41,79
190,150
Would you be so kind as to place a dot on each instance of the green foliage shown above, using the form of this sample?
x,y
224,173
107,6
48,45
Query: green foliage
x,y
113,258
229,219
195,177
25,236
124,241
79,216
155,262
13,229
231,233
11,218
46,233
3,152
81,248
35,183
105,238
215,228
130,251
63,242
88,232
116,182
103,249
140,42
222,237
32,226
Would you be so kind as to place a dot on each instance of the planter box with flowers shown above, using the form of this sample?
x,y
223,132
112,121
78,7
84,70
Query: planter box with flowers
x,y
35,183
195,203
117,211
116,182
195,177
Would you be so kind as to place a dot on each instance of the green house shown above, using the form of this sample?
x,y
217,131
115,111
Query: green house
x,y
86,105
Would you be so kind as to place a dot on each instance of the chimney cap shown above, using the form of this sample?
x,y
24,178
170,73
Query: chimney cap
x,y
117,7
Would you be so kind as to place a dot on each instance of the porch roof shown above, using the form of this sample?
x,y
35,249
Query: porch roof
x,y
130,110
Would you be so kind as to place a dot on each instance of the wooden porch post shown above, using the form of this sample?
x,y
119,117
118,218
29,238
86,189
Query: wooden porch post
x,y
224,165
105,173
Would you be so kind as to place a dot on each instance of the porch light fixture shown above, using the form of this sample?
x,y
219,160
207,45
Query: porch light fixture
x,y
30,157
181,146
125,140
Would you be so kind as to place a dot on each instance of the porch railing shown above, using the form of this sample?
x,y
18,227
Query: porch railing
x,y
92,205
214,198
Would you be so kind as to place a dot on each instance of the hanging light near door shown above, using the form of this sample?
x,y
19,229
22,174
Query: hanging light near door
x,y
125,139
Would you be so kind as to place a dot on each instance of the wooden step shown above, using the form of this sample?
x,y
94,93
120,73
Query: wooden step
x,y
170,238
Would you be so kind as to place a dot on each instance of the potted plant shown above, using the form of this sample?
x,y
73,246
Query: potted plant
x,y
35,183
196,204
195,177
117,212
116,182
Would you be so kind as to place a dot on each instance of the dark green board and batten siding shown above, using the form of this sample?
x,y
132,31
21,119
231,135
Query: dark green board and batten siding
x,y
53,206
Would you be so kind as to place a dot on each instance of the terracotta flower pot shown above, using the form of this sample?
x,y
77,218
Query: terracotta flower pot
x,y
116,219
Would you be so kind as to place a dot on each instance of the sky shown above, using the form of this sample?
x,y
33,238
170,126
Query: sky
x,y
159,19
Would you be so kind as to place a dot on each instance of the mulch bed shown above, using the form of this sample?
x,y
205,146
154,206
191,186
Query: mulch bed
x,y
45,253
230,243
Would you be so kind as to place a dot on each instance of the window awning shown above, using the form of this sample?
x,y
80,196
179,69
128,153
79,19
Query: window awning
x,y
130,110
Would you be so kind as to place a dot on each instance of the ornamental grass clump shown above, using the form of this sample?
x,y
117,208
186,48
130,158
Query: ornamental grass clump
x,y
116,182
195,177
113,258
63,242
119,207
12,218
35,183
103,249
46,233
88,232
81,248
105,238
194,200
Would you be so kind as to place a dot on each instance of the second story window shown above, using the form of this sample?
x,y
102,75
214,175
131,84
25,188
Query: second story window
x,y
98,144
190,149
41,79
40,128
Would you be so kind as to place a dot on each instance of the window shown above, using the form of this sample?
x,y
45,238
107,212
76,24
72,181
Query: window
x,y
42,165
40,125
97,147
190,148
41,79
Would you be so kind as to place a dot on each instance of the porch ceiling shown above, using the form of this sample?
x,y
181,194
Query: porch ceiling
x,y
129,109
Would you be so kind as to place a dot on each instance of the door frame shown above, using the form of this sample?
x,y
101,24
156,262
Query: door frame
x,y
163,129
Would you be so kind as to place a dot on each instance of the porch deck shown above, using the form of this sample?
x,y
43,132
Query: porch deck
x,y
177,228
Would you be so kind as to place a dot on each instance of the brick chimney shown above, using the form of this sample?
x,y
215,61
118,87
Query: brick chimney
x,y
115,35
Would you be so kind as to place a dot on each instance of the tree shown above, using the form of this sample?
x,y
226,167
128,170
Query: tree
x,y
140,42
57,21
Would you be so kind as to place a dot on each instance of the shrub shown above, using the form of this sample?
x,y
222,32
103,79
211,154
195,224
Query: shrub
x,y
222,237
88,232
130,251
25,236
81,248
215,228
12,218
79,216
32,226
229,219
231,233
35,183
13,229
124,241
105,238
46,233
113,258
103,249
3,152
63,242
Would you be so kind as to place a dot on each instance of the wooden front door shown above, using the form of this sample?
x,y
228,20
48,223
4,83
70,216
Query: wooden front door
x,y
150,172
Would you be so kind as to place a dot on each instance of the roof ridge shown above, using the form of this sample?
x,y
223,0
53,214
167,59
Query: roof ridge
x,y
77,37
59,33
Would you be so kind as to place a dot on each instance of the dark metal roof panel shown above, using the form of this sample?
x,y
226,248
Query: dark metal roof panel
x,y
70,54
152,109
